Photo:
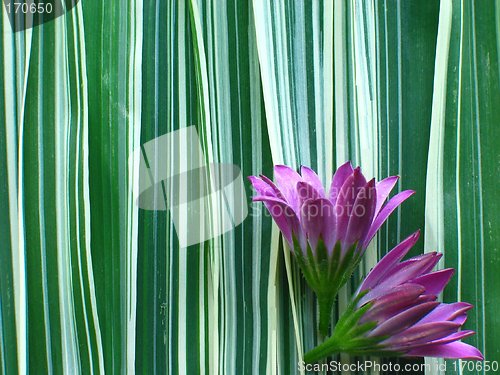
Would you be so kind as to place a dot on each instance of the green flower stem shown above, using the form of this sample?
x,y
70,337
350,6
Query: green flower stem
x,y
325,311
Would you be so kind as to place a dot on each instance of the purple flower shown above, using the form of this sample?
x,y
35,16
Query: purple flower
x,y
395,312
327,231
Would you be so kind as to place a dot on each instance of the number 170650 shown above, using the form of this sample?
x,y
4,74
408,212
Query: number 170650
x,y
32,8
485,366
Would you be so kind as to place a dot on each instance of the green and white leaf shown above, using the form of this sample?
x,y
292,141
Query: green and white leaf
x,y
90,283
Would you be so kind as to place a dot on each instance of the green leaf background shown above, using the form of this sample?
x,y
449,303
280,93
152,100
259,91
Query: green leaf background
x,y
90,283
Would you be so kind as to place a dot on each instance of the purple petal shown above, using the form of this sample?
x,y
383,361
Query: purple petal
x,y
421,333
262,187
384,188
403,320
284,216
342,173
286,180
273,186
401,273
388,261
434,282
460,319
309,176
431,265
393,203
446,312
452,350
362,214
306,191
318,219
453,337
425,298
431,260
408,270
391,302
346,199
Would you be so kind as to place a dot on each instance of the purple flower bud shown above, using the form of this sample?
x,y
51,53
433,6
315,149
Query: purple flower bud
x,y
395,312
